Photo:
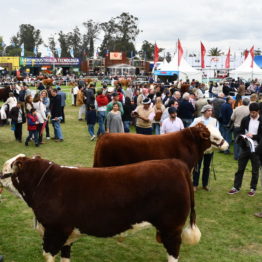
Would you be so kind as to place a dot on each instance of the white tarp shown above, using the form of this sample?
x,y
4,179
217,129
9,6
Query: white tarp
x,y
245,70
185,70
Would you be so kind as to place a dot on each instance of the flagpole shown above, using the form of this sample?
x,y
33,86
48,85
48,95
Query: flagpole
x,y
177,61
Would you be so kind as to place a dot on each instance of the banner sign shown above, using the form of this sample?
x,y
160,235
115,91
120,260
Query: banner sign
x,y
41,61
165,73
115,56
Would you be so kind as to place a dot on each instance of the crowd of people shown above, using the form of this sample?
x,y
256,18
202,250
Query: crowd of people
x,y
233,108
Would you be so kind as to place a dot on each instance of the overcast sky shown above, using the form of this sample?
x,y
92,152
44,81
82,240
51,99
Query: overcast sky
x,y
217,23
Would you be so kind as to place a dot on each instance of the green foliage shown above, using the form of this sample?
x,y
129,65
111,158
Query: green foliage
x,y
215,52
64,44
230,232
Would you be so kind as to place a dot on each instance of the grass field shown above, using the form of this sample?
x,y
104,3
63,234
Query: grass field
x,y
230,232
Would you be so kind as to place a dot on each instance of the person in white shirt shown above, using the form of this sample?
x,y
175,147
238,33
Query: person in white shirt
x,y
172,123
206,119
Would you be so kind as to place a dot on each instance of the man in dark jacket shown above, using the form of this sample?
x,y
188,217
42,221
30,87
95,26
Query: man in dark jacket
x,y
56,115
259,152
224,120
89,96
63,102
186,110
251,127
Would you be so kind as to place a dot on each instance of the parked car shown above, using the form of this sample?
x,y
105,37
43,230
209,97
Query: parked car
x,y
140,80
106,80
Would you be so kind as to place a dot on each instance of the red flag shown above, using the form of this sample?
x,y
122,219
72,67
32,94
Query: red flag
x,y
180,52
245,54
227,65
203,53
252,53
156,51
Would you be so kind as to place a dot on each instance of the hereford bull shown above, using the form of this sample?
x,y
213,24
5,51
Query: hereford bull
x,y
103,202
187,145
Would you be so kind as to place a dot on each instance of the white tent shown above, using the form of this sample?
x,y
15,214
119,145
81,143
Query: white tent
x,y
184,70
245,70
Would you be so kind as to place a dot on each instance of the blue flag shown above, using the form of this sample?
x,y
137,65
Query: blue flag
x,y
23,50
35,51
72,52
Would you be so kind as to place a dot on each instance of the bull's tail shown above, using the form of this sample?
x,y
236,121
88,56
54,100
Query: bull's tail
x,y
191,234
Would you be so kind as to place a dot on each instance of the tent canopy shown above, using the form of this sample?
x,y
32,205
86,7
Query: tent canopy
x,y
245,70
184,70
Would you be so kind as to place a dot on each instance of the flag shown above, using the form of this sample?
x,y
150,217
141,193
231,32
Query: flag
x,y
107,52
49,53
227,65
97,53
252,53
180,52
156,51
59,51
203,53
245,54
72,52
35,51
3,44
23,50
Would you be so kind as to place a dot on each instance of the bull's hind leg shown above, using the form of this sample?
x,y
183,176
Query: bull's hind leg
x,y
65,253
54,240
171,240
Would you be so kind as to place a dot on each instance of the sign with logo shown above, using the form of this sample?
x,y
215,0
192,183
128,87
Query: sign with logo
x,y
42,61
115,56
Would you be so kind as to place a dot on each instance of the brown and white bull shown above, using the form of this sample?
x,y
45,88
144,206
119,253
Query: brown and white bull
x,y
103,202
188,145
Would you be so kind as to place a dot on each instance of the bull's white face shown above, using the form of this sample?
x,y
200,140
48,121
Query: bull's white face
x,y
8,169
217,141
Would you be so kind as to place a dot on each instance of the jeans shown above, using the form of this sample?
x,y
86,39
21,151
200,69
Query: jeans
x,y
156,127
187,122
237,148
245,155
206,170
144,131
32,133
226,133
57,129
101,116
126,126
91,129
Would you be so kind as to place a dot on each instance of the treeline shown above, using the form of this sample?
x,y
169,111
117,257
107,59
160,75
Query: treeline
x,y
119,34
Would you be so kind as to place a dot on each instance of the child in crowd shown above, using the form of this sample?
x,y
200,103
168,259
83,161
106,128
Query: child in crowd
x,y
32,123
91,120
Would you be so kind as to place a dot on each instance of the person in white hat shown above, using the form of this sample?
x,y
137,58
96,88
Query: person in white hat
x,y
144,117
206,119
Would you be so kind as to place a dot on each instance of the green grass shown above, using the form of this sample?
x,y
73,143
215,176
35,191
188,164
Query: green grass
x,y
230,232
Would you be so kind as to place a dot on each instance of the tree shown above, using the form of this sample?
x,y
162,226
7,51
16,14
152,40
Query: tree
x,y
75,42
52,46
120,34
257,51
64,44
2,46
89,37
29,36
109,29
147,50
214,52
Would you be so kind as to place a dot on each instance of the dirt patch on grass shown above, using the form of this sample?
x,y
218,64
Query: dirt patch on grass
x,y
250,249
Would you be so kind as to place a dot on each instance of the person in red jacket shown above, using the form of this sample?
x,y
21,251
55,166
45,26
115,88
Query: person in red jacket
x,y
32,123
101,103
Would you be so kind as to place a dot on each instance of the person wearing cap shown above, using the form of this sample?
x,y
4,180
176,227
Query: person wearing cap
x,y
172,123
206,119
251,127
144,117
115,99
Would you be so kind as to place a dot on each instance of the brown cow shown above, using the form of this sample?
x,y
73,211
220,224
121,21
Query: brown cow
x,y
187,145
103,202
4,93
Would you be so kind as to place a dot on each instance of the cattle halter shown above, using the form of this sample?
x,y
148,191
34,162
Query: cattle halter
x,y
44,174
7,175
218,145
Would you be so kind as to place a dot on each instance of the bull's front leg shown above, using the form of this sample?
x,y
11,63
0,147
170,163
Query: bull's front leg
x,y
65,253
54,241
